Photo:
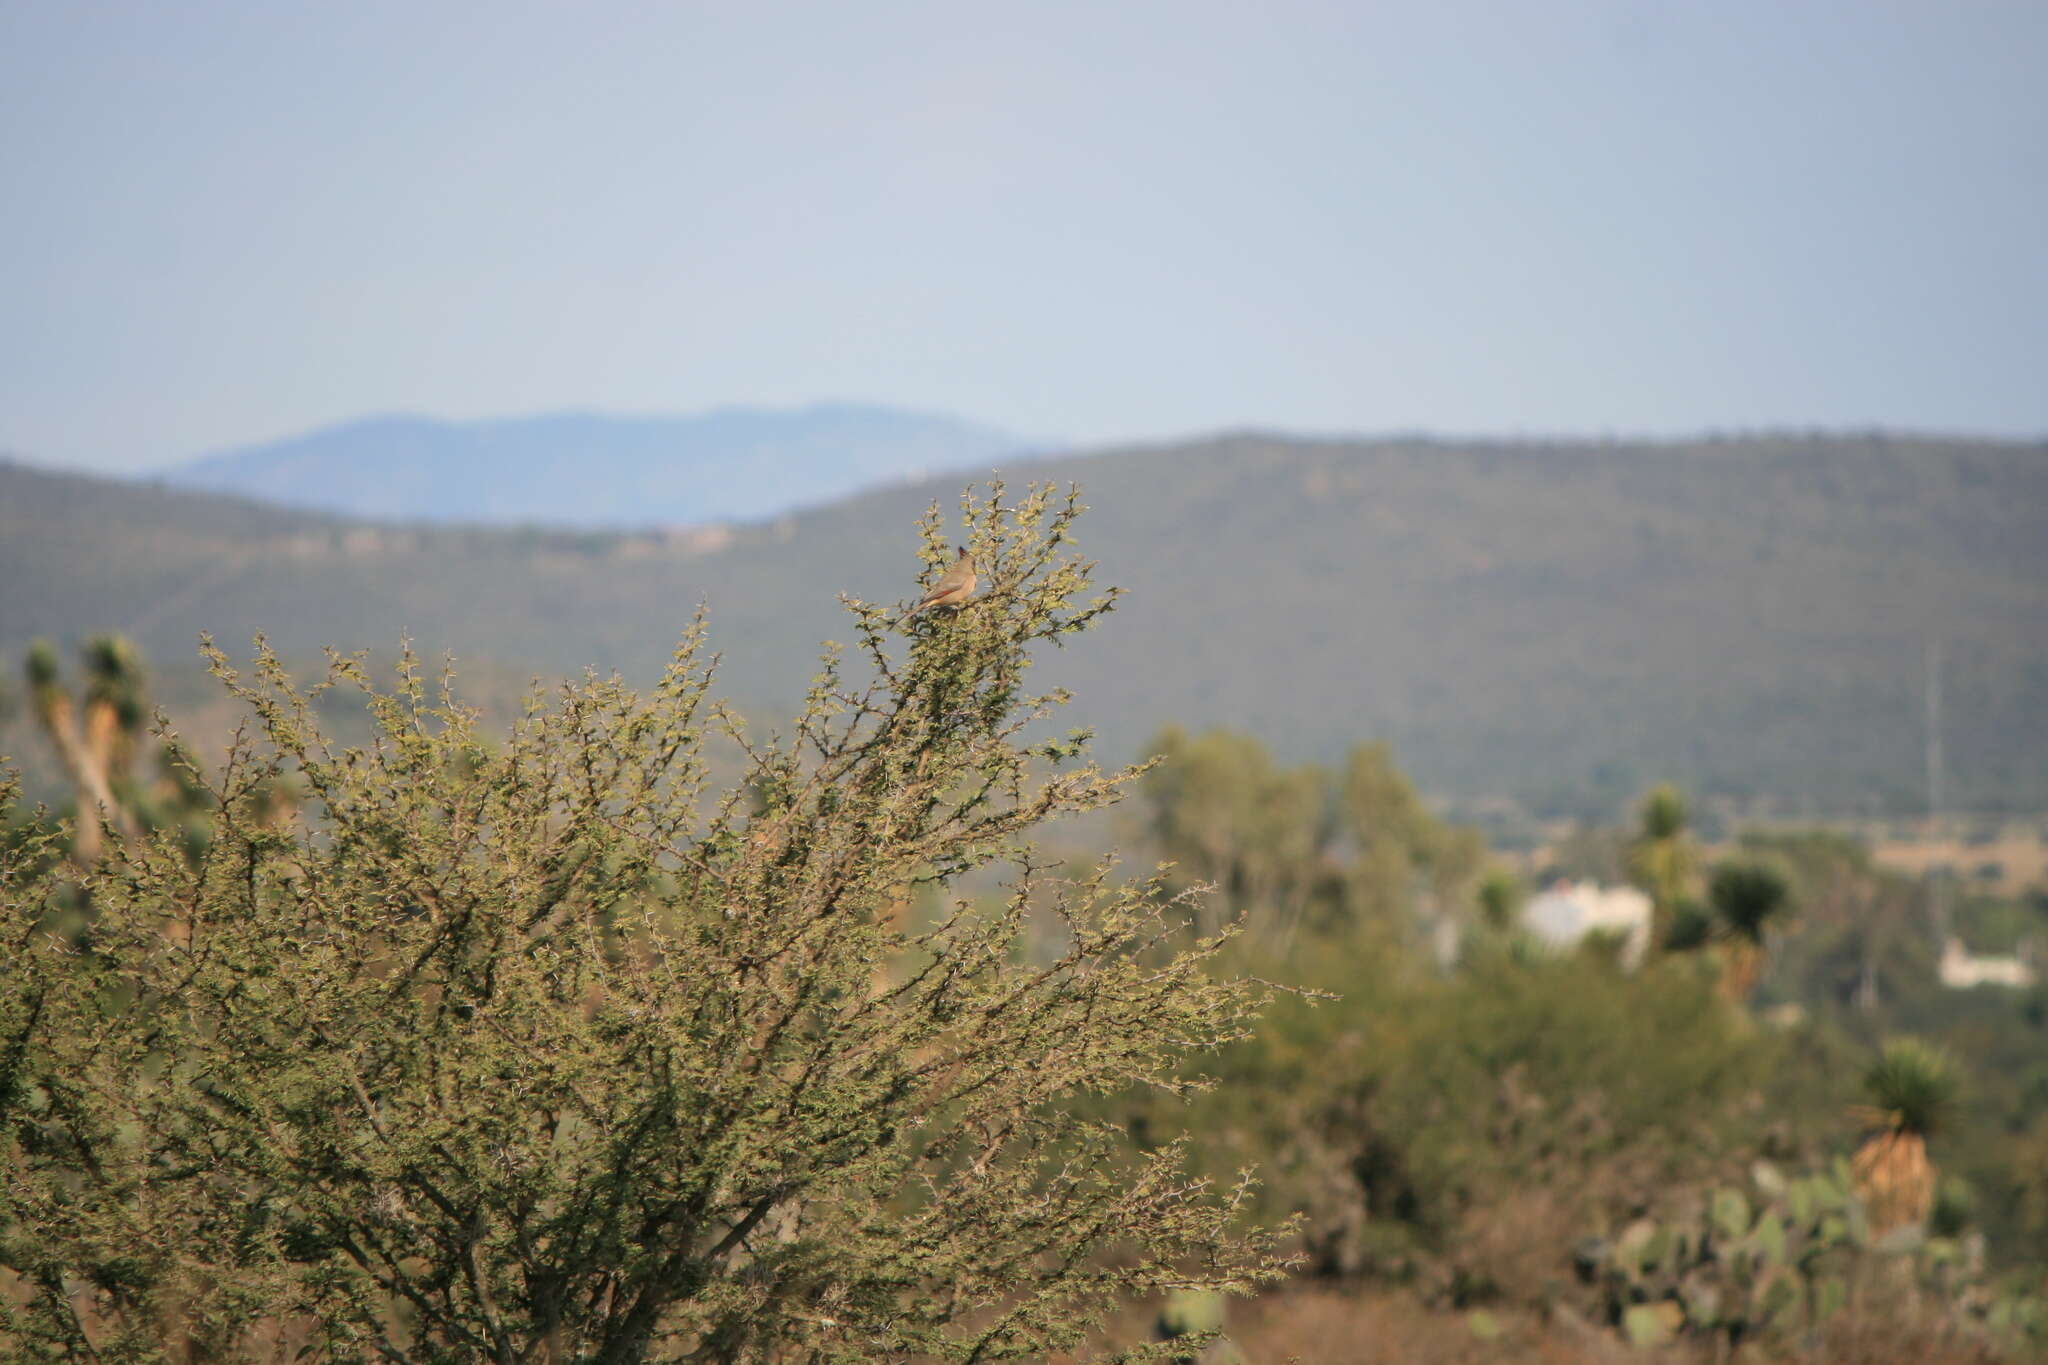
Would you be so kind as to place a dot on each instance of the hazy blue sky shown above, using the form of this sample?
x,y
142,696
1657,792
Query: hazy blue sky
x,y
1095,220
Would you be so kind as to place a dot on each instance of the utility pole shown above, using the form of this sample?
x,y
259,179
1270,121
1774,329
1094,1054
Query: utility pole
x,y
1936,777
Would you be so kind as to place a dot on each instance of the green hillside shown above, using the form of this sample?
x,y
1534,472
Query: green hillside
x,y
1559,621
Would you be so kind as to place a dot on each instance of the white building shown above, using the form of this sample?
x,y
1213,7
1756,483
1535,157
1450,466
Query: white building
x,y
1568,911
1960,970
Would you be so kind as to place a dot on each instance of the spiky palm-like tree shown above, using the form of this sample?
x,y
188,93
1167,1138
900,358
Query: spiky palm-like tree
x,y
1692,928
113,717
1661,858
1500,900
1912,1086
1748,897
115,712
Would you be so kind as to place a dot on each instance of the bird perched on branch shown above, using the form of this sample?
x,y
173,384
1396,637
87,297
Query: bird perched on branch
x,y
954,587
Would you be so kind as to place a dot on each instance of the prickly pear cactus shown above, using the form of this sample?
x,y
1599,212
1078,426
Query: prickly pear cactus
x,y
1782,1257
1742,1262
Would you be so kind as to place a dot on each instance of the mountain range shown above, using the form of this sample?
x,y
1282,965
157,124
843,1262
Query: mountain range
x,y
1556,621
585,469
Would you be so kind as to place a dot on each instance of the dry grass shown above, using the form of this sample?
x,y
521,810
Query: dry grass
x,y
1336,1327
1306,1324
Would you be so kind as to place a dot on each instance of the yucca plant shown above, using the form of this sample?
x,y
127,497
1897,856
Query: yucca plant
x,y
1747,898
1663,813
1661,858
1692,928
1500,900
113,715
114,709
1912,1086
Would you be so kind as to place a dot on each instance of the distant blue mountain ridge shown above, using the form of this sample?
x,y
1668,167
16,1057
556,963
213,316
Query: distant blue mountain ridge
x,y
587,469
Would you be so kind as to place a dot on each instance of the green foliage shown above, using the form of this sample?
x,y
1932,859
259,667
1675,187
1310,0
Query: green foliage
x,y
1407,857
545,1045
1691,927
41,665
1650,1324
1780,1266
1661,859
1731,1268
1406,1116
1189,1312
116,676
1293,848
1500,897
1542,619
1437,1129
1956,1208
1662,815
1860,963
98,753
1228,818
1748,897
1913,1085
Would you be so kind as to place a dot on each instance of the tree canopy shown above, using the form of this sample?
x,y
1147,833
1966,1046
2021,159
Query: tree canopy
x,y
557,1045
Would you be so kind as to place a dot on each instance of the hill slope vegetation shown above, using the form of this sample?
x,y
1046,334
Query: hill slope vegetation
x,y
1557,621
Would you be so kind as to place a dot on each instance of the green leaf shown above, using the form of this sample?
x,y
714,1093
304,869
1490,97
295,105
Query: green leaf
x,y
1913,1084
1701,1293
1652,1324
1730,1214
1801,1202
1775,1291
1632,1248
1769,1239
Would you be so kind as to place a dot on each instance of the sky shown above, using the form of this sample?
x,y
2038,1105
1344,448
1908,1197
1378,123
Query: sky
x,y
1076,221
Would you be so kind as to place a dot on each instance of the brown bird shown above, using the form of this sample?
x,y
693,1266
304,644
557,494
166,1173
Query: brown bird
x,y
954,587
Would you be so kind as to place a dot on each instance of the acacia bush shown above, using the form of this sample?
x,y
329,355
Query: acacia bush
x,y
546,1046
